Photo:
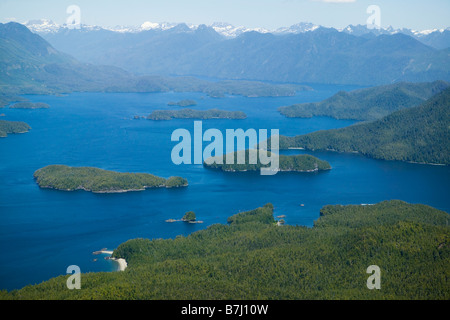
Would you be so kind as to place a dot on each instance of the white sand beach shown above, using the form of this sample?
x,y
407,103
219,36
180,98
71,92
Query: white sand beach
x,y
122,263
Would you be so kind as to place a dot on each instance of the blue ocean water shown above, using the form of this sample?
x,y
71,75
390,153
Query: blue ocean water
x,y
44,231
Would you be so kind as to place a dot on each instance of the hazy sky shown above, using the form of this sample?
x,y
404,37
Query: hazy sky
x,y
270,14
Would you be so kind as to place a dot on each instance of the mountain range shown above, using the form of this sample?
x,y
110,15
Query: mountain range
x,y
437,38
304,53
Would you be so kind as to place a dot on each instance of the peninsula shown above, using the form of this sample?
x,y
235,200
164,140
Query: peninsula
x,y
97,180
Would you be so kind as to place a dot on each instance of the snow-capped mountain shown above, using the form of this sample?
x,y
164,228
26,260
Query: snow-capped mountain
x,y
359,30
230,31
438,38
297,28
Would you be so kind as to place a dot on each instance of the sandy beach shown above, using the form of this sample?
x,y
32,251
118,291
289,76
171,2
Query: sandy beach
x,y
122,262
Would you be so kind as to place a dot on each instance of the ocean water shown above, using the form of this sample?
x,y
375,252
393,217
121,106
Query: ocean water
x,y
44,231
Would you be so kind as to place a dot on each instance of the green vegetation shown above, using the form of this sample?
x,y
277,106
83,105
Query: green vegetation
x,y
12,127
419,134
183,103
30,105
299,163
368,104
189,216
102,181
196,114
253,258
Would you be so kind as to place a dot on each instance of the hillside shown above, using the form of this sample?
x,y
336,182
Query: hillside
x,y
369,103
418,134
253,258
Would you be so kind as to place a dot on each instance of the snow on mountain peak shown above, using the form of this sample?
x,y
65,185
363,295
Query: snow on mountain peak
x,y
225,29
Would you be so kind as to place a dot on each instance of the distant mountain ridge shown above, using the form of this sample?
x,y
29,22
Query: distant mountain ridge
x,y
304,53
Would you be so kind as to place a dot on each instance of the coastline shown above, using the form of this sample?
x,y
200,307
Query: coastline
x,y
114,191
122,263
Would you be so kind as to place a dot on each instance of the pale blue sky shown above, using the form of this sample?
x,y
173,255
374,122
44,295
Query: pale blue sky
x,y
270,14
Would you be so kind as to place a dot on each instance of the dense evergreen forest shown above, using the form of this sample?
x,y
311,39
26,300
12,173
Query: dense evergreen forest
x,y
369,103
97,180
254,258
7,127
418,134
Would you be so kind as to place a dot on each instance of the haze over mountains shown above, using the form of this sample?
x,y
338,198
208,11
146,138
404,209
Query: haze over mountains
x,y
303,53
437,38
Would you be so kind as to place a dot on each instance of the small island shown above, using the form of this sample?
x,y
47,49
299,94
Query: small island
x,y
188,217
30,105
7,127
183,103
296,163
97,180
196,114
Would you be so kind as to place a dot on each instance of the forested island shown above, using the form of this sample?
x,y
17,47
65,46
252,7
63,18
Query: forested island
x,y
97,180
297,163
183,103
30,105
7,127
419,134
196,114
254,258
369,103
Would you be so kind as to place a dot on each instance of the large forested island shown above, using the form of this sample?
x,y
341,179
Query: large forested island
x,y
369,103
298,163
419,134
196,114
7,127
97,180
254,258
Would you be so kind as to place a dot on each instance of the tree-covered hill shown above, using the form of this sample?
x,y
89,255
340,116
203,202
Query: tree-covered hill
x,y
369,103
418,134
254,258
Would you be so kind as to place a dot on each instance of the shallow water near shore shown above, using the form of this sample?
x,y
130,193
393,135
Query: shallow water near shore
x,y
43,231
